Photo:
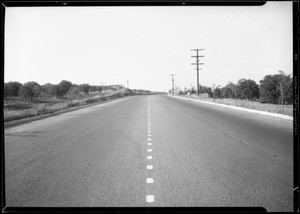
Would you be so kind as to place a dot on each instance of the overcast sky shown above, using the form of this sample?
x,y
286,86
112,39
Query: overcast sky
x,y
147,44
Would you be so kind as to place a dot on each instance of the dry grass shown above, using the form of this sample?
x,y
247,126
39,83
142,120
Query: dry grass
x,y
286,110
17,108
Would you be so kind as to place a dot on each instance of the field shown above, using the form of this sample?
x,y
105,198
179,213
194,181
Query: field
x,y
285,109
17,108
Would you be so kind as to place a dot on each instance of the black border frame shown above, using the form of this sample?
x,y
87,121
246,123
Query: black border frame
x,y
67,3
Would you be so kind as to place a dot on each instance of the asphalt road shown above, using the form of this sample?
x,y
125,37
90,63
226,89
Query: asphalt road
x,y
196,155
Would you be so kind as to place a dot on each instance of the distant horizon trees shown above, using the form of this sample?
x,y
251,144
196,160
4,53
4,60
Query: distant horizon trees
x,y
273,89
11,89
30,90
64,89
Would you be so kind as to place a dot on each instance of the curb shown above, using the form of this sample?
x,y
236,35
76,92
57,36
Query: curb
x,y
281,116
22,121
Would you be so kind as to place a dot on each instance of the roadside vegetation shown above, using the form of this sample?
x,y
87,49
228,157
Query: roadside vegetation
x,y
274,93
31,99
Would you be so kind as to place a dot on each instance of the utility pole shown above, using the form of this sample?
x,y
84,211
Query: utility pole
x,y
281,93
198,63
172,82
127,83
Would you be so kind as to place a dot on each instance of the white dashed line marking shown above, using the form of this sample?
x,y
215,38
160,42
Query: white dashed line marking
x,y
150,198
149,166
149,180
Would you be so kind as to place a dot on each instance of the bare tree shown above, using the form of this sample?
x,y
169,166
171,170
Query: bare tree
x,y
213,90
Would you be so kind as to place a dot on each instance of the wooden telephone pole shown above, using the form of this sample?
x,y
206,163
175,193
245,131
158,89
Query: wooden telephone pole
x,y
172,82
198,63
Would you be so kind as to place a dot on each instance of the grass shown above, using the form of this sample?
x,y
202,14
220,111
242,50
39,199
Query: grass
x,y
273,108
16,108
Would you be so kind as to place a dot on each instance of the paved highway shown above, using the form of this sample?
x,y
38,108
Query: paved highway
x,y
151,151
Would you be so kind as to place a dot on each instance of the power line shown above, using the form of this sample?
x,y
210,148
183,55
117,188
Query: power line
x,y
198,63
172,82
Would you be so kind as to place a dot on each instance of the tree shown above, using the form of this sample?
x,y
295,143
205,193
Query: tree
x,y
216,93
193,90
181,92
30,90
12,89
95,88
232,92
64,86
204,89
276,89
85,88
247,89
56,91
225,91
48,89
72,92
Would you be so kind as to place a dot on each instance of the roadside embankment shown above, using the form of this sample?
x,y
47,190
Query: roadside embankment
x,y
66,107
254,107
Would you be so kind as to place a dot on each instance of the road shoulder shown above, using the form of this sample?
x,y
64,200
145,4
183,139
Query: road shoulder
x,y
286,117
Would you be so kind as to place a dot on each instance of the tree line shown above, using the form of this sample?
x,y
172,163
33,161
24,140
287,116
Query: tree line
x,y
33,90
275,89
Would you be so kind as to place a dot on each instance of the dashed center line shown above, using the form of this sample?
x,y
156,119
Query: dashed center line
x,y
149,180
149,166
150,198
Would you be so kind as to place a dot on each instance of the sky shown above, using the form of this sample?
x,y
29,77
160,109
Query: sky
x,y
144,45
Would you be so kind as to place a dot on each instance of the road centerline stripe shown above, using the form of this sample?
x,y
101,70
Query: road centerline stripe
x,y
150,198
149,166
149,180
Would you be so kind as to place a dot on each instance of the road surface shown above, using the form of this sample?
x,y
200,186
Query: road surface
x,y
148,151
